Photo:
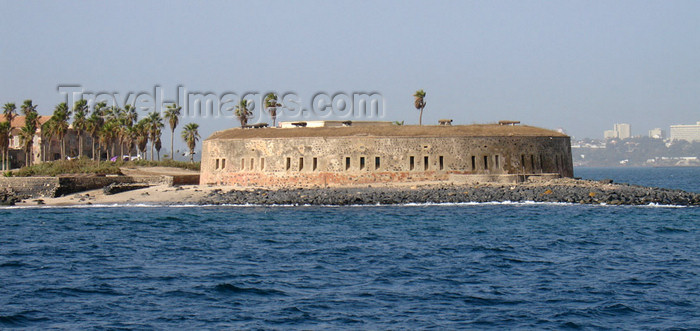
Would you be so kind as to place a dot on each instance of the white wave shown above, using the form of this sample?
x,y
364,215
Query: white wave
x,y
412,204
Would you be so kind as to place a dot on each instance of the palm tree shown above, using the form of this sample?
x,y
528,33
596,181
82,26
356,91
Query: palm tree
x,y
190,134
172,114
26,135
5,132
111,113
420,104
141,129
28,107
131,136
31,120
93,126
107,135
9,110
48,129
271,105
155,123
60,118
130,115
158,143
242,112
80,110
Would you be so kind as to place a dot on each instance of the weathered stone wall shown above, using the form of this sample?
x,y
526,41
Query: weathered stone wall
x,y
311,161
31,186
68,185
34,187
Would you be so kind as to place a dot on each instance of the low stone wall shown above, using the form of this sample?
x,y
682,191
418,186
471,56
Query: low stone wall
x,y
68,185
153,180
185,179
33,187
30,186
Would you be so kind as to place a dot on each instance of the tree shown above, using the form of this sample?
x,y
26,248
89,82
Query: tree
x,y
141,129
158,143
271,104
9,110
131,136
130,116
172,114
31,120
5,132
48,130
190,134
107,134
155,123
60,118
420,104
243,113
80,110
94,124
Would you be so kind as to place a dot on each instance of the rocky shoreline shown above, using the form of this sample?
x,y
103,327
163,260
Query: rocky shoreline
x,y
560,190
565,190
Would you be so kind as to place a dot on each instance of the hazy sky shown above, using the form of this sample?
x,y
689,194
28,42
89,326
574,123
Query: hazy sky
x,y
578,65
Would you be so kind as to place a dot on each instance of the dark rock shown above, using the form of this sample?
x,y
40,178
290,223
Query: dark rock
x,y
8,197
115,188
584,192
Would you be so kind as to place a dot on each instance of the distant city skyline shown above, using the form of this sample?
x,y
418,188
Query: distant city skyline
x,y
576,65
687,132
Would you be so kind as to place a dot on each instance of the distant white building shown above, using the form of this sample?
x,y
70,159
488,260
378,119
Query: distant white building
x,y
620,131
686,132
657,133
623,130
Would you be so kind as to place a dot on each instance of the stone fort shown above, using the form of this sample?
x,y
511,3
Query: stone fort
x,y
339,153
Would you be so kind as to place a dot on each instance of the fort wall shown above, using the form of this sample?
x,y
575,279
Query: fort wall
x,y
358,159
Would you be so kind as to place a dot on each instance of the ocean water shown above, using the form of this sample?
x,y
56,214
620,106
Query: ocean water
x,y
467,266
682,178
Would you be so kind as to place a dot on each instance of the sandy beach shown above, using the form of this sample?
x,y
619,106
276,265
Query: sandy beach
x,y
154,195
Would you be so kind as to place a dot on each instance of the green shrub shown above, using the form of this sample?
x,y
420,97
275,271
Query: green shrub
x,y
163,163
88,166
65,167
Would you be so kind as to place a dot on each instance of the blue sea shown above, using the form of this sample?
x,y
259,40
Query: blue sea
x,y
466,266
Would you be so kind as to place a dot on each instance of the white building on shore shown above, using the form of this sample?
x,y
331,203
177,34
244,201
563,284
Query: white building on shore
x,y
690,132
657,133
619,131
